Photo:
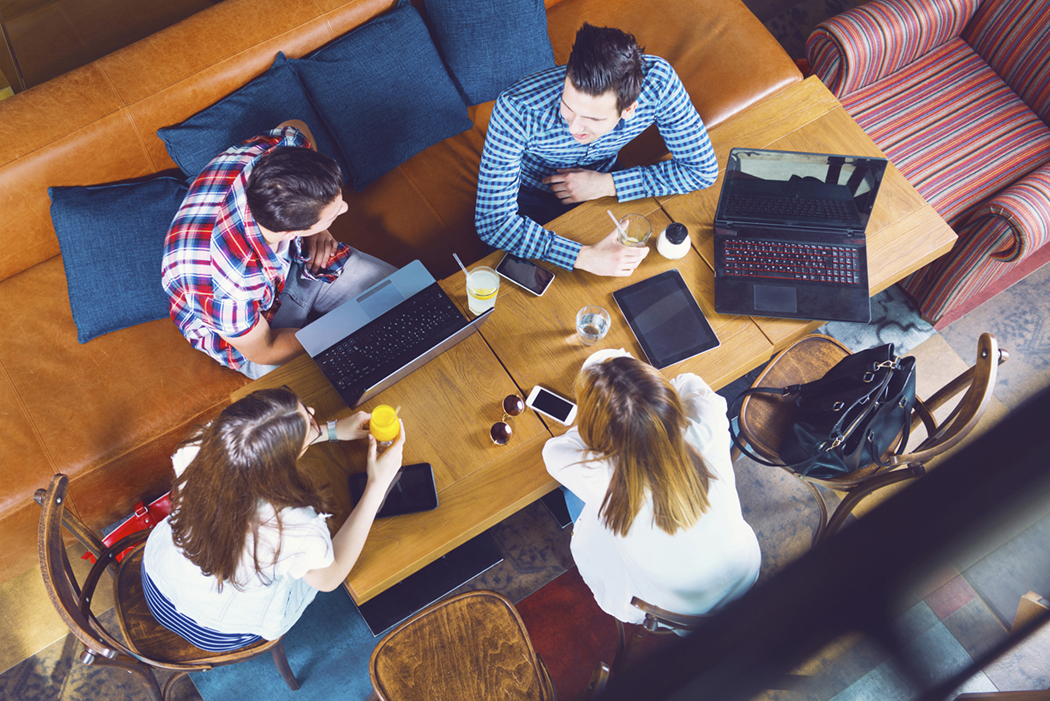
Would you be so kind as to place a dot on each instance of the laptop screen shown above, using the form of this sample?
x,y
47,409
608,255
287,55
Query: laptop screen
x,y
808,189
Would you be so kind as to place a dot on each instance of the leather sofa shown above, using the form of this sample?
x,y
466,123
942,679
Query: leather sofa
x,y
109,413
957,94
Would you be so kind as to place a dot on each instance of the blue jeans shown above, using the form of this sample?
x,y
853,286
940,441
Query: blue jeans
x,y
304,300
574,503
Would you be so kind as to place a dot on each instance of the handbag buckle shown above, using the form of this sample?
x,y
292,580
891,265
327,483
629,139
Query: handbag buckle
x,y
837,406
868,376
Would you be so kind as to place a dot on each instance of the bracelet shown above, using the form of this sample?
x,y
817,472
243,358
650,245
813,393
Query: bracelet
x,y
332,437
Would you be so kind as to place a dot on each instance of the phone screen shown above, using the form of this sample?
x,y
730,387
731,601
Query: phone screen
x,y
526,273
552,404
413,491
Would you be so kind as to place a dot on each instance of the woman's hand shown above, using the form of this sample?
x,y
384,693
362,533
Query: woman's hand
x,y
383,469
353,427
350,538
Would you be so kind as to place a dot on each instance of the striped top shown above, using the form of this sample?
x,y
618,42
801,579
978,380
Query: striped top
x,y
528,140
266,604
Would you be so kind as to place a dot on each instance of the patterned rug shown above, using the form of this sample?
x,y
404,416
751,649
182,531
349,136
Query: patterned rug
x,y
328,650
894,319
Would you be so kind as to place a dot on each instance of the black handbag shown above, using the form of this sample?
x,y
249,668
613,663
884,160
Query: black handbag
x,y
847,419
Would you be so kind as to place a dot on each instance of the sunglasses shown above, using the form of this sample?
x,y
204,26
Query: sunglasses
x,y
501,431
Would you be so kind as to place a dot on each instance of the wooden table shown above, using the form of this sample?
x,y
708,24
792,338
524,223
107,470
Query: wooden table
x,y
449,405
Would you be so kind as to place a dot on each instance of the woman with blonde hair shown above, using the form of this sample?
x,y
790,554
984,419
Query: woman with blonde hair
x,y
247,547
657,513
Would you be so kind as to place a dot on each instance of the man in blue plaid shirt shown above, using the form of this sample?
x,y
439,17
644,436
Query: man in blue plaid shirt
x,y
553,139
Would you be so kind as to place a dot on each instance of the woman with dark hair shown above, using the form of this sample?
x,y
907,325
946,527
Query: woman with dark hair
x,y
651,483
247,547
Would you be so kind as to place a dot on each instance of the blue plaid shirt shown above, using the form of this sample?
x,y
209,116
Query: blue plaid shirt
x,y
528,140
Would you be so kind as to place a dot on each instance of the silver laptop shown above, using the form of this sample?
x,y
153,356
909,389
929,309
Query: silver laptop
x,y
386,332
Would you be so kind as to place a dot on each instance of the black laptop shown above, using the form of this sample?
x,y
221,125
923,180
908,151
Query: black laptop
x,y
789,234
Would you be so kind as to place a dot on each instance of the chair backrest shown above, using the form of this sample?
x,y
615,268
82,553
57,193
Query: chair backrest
x,y
473,646
71,602
658,620
979,382
1013,36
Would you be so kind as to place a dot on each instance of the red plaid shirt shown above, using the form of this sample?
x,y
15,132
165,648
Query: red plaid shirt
x,y
219,272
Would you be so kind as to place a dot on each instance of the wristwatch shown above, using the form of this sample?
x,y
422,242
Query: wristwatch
x,y
332,437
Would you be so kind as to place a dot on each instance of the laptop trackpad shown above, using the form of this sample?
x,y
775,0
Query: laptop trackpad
x,y
773,298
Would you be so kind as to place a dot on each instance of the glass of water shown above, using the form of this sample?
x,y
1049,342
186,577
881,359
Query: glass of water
x,y
634,230
592,323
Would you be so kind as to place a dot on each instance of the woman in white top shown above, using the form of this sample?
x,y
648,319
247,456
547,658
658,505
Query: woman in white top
x,y
247,547
661,519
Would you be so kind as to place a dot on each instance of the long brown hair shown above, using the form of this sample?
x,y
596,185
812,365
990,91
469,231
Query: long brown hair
x,y
630,415
246,456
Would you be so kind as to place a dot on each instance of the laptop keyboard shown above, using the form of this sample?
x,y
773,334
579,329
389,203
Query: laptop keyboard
x,y
792,261
429,319
791,207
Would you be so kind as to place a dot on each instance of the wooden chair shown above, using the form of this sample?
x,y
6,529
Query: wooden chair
x,y
657,621
147,645
764,419
468,647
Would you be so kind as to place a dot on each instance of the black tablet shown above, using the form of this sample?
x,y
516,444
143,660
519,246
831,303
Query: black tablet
x,y
665,318
412,490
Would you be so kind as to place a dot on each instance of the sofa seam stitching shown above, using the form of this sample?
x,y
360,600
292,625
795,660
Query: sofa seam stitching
x,y
423,196
126,106
53,464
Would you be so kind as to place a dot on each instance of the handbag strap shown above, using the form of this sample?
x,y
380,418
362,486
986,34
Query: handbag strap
x,y
893,363
738,441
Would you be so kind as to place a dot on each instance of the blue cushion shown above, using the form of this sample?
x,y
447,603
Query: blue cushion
x,y
274,97
488,45
384,93
112,241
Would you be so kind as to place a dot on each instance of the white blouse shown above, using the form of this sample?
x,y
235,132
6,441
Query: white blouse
x,y
690,572
266,607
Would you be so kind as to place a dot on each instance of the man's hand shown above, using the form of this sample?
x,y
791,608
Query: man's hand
x,y
611,258
319,248
573,185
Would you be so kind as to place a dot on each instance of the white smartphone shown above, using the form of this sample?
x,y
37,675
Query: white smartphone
x,y
525,273
545,402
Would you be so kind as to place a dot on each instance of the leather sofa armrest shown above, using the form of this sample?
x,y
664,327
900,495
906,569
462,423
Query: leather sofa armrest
x,y
1019,217
869,42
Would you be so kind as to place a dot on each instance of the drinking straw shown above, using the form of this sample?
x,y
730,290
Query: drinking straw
x,y
461,266
615,221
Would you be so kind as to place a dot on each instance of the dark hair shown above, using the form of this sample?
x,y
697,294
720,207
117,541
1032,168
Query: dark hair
x,y
246,456
289,186
604,59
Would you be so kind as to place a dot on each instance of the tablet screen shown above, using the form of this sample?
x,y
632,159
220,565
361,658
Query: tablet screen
x,y
665,318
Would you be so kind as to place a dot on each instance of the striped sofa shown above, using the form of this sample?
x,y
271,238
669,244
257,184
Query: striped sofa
x,y
957,94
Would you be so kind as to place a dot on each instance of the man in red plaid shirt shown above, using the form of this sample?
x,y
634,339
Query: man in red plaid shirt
x,y
249,259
